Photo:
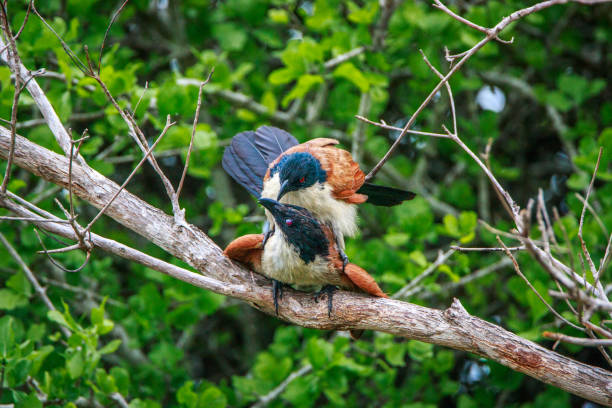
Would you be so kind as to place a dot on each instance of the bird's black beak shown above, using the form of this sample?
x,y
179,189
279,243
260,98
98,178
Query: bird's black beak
x,y
283,189
272,205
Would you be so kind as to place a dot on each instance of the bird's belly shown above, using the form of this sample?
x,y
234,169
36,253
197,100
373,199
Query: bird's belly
x,y
282,262
318,199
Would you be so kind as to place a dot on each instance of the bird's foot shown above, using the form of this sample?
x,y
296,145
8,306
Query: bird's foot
x,y
344,258
329,291
277,293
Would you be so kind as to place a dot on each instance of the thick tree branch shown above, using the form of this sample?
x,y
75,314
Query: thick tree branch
x,y
453,327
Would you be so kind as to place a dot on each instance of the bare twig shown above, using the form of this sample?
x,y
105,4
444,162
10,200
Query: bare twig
x,y
448,89
519,273
129,178
113,18
193,131
409,289
438,4
264,400
398,129
585,252
593,213
334,62
485,249
581,341
40,291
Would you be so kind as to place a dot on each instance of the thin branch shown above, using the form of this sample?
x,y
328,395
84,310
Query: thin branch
x,y
585,252
437,4
485,249
448,89
447,287
113,18
129,178
334,62
519,273
398,129
593,213
409,289
40,291
264,400
581,341
193,131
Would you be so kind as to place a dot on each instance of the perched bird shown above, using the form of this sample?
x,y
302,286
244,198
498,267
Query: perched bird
x,y
315,175
304,253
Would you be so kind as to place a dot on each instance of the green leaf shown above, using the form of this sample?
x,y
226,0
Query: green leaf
x,y
420,351
395,354
75,365
105,382
97,313
363,15
37,357
231,37
304,84
278,16
212,397
10,300
7,336
319,352
451,225
282,76
110,347
348,71
122,379
186,396
31,401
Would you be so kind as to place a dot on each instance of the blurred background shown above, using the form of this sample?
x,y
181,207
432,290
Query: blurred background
x,y
543,103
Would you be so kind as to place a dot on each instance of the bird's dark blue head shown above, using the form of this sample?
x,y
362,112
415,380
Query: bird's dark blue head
x,y
299,228
297,171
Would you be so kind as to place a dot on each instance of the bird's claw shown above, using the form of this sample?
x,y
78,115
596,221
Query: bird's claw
x,y
277,293
343,256
329,291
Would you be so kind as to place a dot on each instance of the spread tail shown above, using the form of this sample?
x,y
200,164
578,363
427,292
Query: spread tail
x,y
247,158
385,196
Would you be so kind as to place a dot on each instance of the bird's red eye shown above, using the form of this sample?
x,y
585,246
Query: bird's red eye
x,y
302,179
289,222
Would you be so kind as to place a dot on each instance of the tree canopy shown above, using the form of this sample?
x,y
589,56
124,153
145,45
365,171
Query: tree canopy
x,y
102,330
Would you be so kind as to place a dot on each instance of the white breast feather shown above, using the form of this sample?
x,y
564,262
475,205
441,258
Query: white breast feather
x,y
282,262
318,199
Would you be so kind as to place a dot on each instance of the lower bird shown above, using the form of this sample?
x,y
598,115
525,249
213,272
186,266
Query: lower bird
x,y
304,253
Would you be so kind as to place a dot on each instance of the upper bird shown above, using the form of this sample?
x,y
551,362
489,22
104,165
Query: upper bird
x,y
315,175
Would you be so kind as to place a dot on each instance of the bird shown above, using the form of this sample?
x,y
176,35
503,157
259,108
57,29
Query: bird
x,y
304,253
317,175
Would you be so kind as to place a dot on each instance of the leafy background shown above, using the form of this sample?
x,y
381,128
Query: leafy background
x,y
160,342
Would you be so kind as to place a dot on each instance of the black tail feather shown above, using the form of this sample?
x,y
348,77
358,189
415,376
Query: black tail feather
x,y
247,158
385,196
272,141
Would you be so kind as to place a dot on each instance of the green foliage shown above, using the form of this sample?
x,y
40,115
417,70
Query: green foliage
x,y
160,342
